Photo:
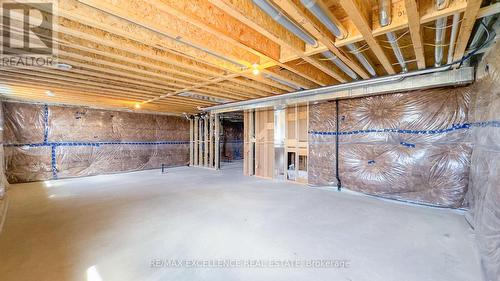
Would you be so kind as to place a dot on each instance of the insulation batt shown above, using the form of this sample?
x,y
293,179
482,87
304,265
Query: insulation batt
x,y
3,179
484,185
398,146
437,147
46,142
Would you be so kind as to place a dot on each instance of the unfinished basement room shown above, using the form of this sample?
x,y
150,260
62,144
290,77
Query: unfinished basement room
x,y
305,140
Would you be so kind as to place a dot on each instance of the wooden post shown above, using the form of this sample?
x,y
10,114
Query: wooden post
x,y
200,143
249,144
191,142
211,139
217,142
195,143
205,142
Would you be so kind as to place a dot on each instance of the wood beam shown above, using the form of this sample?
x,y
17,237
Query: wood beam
x,y
249,14
191,142
107,26
300,14
413,19
206,142
196,140
217,141
358,11
213,20
37,94
468,20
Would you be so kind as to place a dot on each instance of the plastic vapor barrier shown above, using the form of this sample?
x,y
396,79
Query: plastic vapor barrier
x,y
484,186
3,180
410,146
231,141
47,142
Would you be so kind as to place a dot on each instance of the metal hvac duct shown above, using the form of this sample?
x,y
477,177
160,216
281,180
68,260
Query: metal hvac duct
x,y
281,81
340,64
420,79
440,33
362,59
453,37
325,18
441,4
284,21
384,9
480,32
439,41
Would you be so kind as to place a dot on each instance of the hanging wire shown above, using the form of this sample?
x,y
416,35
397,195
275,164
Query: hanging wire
x,y
436,28
401,47
406,61
301,62
436,45
360,49
487,32
397,39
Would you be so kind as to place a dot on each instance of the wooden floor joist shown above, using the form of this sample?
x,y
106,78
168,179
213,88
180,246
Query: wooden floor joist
x,y
150,52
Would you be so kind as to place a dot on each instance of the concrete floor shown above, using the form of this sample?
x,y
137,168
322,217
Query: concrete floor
x,y
123,227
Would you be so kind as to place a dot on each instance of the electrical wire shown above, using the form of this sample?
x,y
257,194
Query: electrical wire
x,y
397,39
473,52
436,28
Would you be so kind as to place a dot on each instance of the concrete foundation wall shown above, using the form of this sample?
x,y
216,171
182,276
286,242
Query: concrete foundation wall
x,y
47,142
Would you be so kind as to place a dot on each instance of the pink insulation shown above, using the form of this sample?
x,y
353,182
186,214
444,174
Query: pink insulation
x,y
46,142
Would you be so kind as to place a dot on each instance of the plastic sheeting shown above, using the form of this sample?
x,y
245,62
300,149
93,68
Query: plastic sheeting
x,y
46,142
231,141
410,146
3,180
484,187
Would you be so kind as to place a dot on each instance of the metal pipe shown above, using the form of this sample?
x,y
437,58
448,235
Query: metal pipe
x,y
340,64
281,81
284,21
453,37
441,4
440,33
324,17
436,77
362,59
439,41
385,16
384,12
479,33
391,37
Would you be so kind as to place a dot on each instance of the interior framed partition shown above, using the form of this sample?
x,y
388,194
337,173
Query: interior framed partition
x,y
296,145
276,143
204,141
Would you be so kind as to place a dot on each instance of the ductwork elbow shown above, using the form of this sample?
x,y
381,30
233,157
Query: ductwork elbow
x,y
384,12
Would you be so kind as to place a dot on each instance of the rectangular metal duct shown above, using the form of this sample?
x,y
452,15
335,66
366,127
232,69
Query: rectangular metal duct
x,y
417,80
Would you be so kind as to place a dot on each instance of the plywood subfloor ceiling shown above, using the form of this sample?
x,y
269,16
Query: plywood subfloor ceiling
x,y
138,53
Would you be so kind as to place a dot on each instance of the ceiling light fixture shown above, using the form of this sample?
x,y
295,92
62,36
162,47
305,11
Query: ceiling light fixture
x,y
63,66
50,94
137,105
255,69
